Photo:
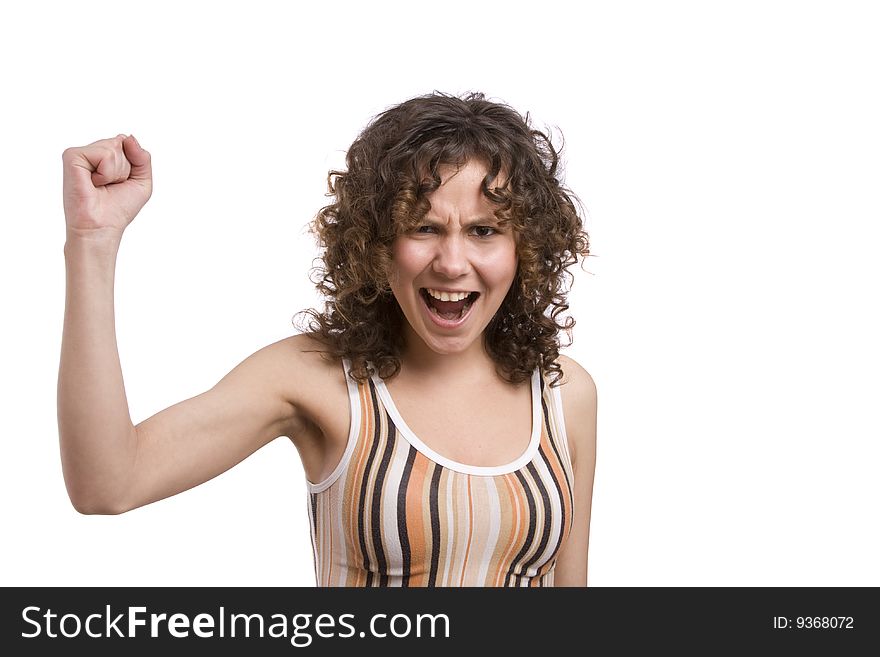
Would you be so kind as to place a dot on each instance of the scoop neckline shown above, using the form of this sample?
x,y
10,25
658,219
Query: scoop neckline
x,y
465,468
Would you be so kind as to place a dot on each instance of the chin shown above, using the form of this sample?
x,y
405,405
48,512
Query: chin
x,y
449,350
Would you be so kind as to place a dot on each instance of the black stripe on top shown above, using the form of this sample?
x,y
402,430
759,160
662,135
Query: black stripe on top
x,y
376,502
511,573
545,533
363,492
313,499
401,516
435,524
561,505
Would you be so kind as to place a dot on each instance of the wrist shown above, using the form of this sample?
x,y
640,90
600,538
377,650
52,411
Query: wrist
x,y
103,242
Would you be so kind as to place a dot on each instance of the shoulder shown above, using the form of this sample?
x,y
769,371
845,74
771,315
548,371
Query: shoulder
x,y
579,407
310,360
307,377
301,355
574,372
304,347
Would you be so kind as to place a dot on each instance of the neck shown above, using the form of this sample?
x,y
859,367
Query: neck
x,y
469,366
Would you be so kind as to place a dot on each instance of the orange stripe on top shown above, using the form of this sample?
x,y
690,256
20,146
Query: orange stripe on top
x,y
415,521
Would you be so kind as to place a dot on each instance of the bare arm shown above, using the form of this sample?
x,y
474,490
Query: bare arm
x,y
94,426
106,183
110,465
579,409
201,437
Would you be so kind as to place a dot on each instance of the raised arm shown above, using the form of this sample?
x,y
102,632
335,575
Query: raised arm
x,y
110,465
106,183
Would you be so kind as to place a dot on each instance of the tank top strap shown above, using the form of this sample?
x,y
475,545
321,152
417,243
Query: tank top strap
x,y
356,412
554,420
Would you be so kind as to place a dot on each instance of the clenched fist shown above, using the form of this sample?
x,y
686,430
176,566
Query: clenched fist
x,y
105,185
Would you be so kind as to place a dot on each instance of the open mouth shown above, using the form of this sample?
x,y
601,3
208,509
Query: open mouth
x,y
448,310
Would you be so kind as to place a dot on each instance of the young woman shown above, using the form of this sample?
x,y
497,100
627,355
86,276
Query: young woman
x,y
444,440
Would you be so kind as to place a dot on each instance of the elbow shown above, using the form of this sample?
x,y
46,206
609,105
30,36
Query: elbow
x,y
92,507
95,510
89,499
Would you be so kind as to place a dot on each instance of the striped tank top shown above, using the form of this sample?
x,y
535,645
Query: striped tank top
x,y
396,513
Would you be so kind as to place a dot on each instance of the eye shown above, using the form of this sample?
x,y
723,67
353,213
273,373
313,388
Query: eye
x,y
420,228
491,231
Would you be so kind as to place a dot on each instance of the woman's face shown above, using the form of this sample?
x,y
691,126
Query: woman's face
x,y
457,248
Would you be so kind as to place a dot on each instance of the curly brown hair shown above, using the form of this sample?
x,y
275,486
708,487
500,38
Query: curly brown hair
x,y
392,166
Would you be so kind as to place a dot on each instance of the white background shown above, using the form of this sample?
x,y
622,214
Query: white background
x,y
727,156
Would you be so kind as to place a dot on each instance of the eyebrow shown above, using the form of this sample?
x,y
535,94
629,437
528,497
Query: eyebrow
x,y
479,221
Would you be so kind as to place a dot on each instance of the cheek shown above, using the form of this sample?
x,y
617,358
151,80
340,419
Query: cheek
x,y
500,266
407,260
412,255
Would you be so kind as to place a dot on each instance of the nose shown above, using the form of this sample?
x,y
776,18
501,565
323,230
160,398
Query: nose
x,y
451,259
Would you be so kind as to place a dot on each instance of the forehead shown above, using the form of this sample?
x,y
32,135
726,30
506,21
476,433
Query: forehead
x,y
473,170
460,190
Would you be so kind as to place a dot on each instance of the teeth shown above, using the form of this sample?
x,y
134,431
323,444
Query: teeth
x,y
447,296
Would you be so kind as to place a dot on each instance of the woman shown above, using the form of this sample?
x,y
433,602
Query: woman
x,y
457,463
